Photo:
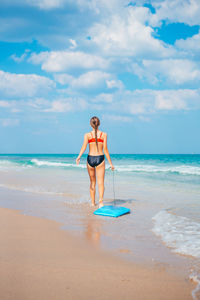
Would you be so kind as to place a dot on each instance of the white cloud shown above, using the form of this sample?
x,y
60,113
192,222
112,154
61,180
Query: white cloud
x,y
4,103
117,118
52,28
185,11
142,102
9,122
59,61
90,80
66,105
127,34
103,97
101,6
21,85
63,78
139,70
18,59
172,100
59,106
138,102
157,100
177,71
10,105
73,44
46,4
114,83
192,44
20,105
93,5
37,103
21,58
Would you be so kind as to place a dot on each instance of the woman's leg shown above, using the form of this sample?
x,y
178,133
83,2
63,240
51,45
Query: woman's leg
x,y
100,172
92,175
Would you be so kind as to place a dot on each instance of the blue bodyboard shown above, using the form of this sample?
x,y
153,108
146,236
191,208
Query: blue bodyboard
x,y
112,211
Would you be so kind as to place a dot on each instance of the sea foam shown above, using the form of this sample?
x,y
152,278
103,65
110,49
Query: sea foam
x,y
141,168
181,169
178,232
47,163
196,292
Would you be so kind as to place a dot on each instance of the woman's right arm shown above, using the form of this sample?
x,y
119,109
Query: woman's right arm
x,y
106,151
83,148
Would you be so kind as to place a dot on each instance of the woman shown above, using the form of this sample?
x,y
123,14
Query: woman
x,y
97,141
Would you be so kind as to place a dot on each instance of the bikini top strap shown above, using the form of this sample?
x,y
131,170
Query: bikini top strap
x,y
97,136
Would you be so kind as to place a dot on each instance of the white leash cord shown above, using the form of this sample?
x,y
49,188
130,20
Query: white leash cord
x,y
113,187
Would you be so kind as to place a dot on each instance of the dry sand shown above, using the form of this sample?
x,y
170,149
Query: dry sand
x,y
38,260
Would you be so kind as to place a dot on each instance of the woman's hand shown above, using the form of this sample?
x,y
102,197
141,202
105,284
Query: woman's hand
x,y
78,160
112,167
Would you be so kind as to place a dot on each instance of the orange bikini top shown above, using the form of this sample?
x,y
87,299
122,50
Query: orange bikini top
x,y
93,139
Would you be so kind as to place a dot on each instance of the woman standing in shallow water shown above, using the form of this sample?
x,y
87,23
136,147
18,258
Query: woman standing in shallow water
x,y
97,141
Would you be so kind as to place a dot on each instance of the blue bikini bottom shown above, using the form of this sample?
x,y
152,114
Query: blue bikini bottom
x,y
94,161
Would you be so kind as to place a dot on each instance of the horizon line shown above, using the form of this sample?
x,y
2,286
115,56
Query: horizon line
x,y
20,153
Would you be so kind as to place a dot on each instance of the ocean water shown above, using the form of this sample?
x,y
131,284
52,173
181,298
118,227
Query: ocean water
x,y
162,191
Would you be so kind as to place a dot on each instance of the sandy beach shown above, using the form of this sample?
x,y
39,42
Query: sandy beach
x,y
38,260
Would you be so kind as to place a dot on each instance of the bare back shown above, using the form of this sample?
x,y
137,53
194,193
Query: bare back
x,y
92,146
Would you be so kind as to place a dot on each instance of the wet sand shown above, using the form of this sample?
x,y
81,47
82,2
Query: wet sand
x,y
38,260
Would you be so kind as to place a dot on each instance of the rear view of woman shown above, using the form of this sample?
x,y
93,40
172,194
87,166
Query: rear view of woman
x,y
97,141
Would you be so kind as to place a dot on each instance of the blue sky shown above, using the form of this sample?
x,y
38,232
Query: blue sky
x,y
134,64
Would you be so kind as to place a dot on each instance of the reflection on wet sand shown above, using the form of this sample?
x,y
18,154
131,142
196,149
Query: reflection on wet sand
x,y
93,230
94,224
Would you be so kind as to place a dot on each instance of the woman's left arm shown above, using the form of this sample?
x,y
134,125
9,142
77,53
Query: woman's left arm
x,y
83,148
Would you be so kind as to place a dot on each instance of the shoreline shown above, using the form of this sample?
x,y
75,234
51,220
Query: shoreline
x,y
39,260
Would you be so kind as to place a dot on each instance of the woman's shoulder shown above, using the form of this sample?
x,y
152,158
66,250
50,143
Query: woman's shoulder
x,y
87,134
104,134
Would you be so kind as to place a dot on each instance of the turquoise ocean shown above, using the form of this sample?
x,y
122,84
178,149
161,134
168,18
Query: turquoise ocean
x,y
162,191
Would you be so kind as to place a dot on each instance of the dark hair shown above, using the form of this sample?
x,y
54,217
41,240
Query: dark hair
x,y
95,122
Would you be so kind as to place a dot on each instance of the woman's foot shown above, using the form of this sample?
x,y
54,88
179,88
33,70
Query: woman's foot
x,y
101,204
93,204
